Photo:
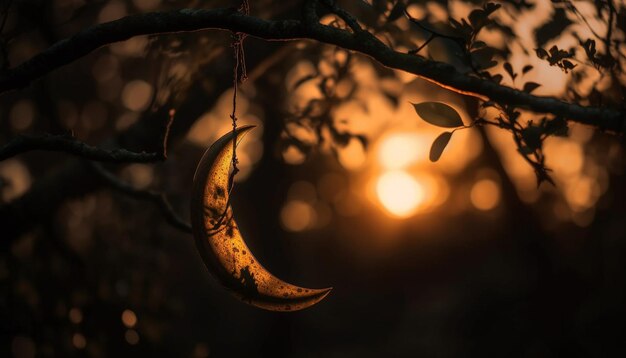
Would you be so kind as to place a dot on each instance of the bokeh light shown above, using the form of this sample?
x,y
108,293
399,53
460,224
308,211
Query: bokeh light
x,y
112,11
22,115
136,95
17,178
79,341
75,315
292,155
23,347
140,175
129,318
201,350
132,337
146,5
485,194
297,215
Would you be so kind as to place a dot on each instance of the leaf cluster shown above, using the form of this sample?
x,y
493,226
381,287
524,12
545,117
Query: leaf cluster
x,y
557,57
316,115
440,115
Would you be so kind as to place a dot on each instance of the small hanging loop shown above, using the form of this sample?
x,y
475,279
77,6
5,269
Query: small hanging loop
x,y
239,76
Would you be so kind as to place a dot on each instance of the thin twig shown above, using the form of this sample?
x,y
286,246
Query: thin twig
x,y
157,198
578,14
350,20
3,42
457,40
428,40
5,14
609,29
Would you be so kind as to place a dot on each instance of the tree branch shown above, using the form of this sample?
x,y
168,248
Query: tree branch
x,y
442,74
75,178
71,145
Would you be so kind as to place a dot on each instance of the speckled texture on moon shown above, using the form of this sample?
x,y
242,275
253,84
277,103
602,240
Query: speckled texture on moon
x,y
221,245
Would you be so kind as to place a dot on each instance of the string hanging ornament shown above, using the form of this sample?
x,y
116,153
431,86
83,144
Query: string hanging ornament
x,y
239,76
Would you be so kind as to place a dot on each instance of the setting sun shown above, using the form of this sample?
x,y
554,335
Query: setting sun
x,y
401,150
399,193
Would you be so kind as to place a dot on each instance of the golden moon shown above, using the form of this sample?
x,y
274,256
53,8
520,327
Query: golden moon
x,y
221,245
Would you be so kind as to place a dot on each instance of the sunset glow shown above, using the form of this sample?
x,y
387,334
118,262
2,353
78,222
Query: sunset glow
x,y
399,193
400,150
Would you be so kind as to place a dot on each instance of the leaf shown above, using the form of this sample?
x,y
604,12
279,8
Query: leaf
x,y
554,50
553,28
526,69
477,18
491,7
567,65
482,57
478,44
556,55
541,53
439,144
439,114
557,126
590,48
605,60
532,137
509,69
530,86
462,29
455,24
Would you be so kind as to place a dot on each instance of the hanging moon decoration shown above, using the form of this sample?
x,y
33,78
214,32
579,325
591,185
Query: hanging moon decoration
x,y
221,245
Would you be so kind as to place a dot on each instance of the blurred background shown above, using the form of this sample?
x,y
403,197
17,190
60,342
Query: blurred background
x,y
463,257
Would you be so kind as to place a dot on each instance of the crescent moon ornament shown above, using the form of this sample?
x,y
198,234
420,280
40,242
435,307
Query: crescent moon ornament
x,y
221,245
